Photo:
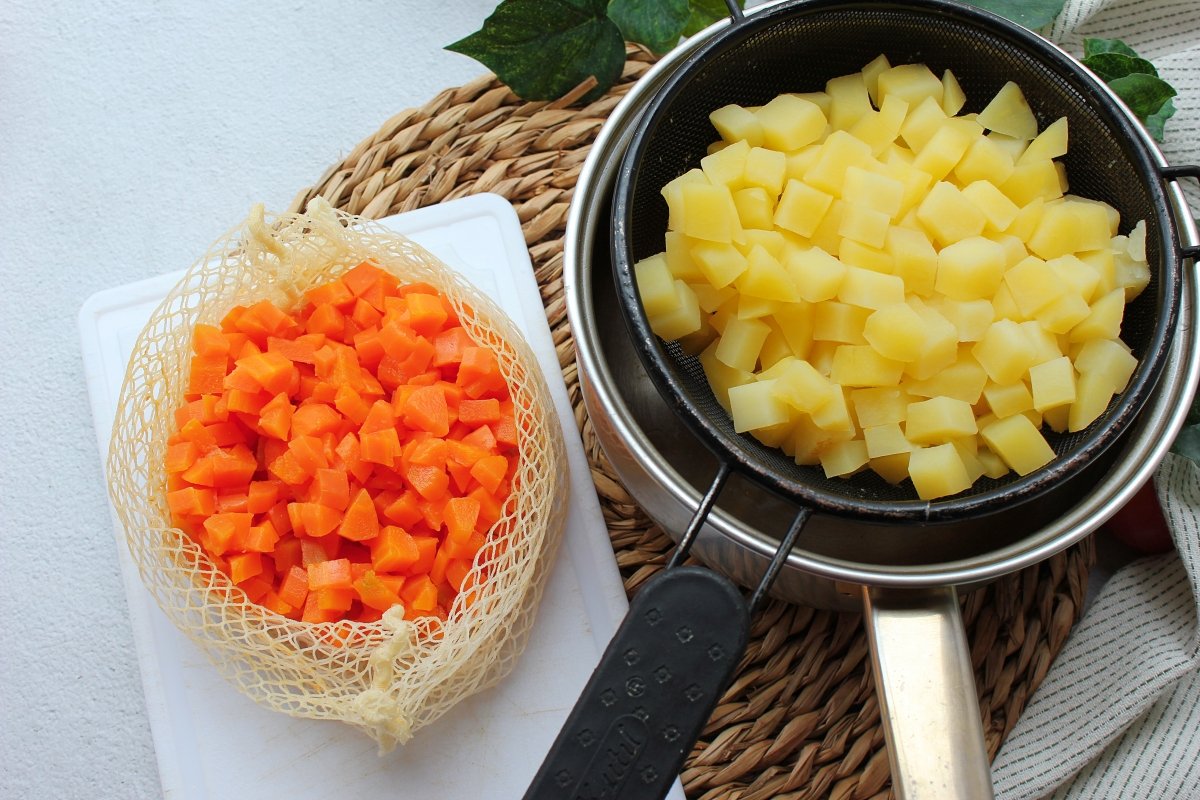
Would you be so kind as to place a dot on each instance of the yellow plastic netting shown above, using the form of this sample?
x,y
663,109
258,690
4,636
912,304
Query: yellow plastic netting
x,y
388,678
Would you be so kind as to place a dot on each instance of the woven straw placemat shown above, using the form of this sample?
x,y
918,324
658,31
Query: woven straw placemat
x,y
800,719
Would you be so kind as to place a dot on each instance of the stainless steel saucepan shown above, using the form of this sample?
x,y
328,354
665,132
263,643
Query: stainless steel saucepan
x,y
679,645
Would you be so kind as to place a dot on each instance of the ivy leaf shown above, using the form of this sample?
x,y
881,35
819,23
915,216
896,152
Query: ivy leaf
x,y
1156,121
542,49
1134,79
1144,94
1032,14
1109,66
1093,47
705,13
654,23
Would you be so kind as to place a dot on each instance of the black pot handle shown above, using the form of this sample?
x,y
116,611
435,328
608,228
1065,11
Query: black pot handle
x,y
1173,174
655,687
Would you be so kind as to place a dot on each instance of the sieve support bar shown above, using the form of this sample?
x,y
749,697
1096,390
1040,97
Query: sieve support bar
x,y
928,703
1174,173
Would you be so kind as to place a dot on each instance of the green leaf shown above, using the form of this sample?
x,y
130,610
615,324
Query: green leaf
x,y
1156,121
1144,94
1110,66
1093,47
705,13
1030,13
654,23
542,49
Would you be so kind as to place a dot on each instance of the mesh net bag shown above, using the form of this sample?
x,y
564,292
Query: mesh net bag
x,y
388,678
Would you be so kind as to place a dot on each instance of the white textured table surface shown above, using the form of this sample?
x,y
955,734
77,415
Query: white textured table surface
x,y
131,135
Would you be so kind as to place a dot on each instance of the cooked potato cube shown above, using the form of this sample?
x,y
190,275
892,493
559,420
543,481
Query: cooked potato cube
x,y
879,405
949,217
708,212
790,122
840,322
754,405
839,152
1064,313
939,419
984,161
896,332
1093,391
795,322
1079,276
860,365
727,166
710,298
798,384
923,121
868,289
835,415
1018,442
1050,143
1052,384
997,209
941,345
885,440
1107,359
937,471
946,147
953,97
1104,320
1009,113
722,377
766,278
970,318
801,207
682,318
893,469
870,74
751,307
1007,399
1131,275
1030,181
864,225
848,100
970,269
962,380
766,169
755,208
913,259
911,82
817,274
844,458
873,190
733,123
1033,285
679,258
826,235
720,262
1005,352
655,283
857,254
878,129
673,194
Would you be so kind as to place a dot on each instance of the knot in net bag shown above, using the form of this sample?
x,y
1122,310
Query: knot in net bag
x,y
390,677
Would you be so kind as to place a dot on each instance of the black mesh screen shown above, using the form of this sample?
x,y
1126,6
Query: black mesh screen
x,y
797,49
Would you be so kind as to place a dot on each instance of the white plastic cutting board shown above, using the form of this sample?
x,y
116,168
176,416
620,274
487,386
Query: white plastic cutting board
x,y
213,743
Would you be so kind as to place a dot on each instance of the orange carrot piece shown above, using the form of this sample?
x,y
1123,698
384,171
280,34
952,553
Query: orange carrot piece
x,y
293,589
313,613
209,340
394,550
426,314
360,278
243,566
271,371
275,418
301,350
349,453
330,487
482,438
490,472
334,293
456,572
430,482
287,469
479,374
403,510
231,500
461,515
380,447
261,538
335,599
448,346
318,519
331,574
427,547
181,455
379,417
326,319
360,521
419,593
425,409
225,532
206,374
374,592
309,453
315,419
351,405
191,501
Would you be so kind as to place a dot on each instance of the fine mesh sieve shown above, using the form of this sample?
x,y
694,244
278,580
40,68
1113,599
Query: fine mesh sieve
x,y
797,48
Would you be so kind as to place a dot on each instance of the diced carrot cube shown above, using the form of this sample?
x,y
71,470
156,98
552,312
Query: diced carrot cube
x,y
294,588
394,550
243,566
360,521
331,574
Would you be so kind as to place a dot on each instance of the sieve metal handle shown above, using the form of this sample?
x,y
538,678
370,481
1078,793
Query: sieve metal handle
x,y
928,704
1174,174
